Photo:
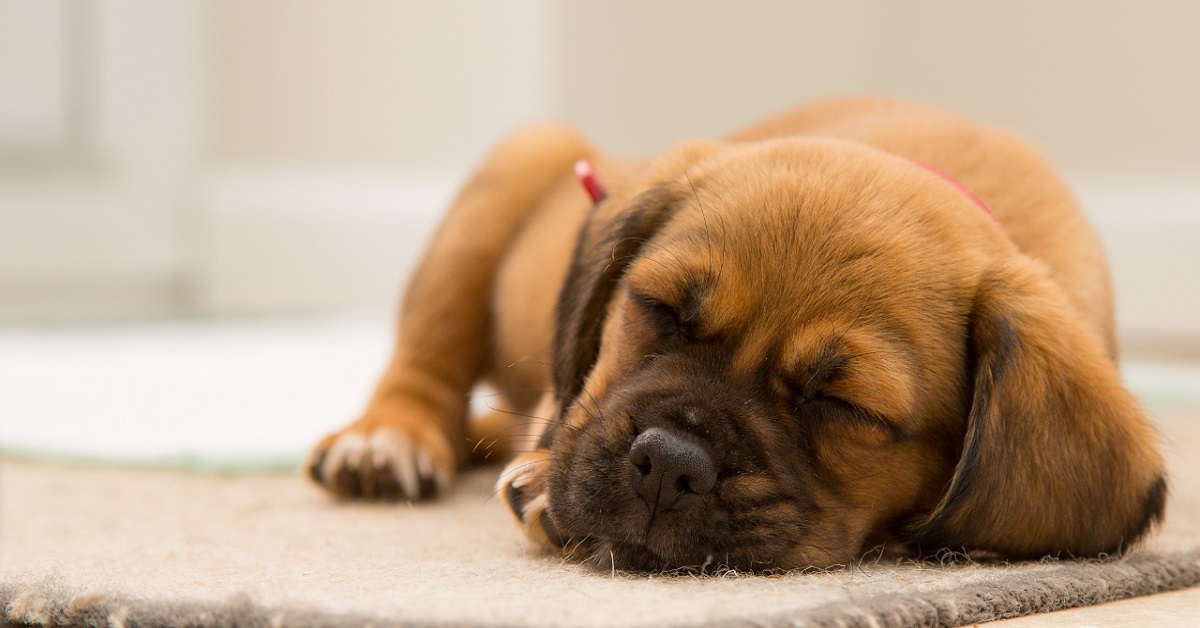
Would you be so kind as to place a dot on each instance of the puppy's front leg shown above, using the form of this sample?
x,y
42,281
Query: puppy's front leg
x,y
412,438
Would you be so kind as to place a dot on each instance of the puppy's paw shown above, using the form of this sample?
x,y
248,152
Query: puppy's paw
x,y
383,462
523,488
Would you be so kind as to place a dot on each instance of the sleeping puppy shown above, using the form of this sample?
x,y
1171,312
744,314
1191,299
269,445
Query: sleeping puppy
x,y
860,322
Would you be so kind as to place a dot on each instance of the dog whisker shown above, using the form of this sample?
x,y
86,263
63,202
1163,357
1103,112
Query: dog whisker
x,y
508,391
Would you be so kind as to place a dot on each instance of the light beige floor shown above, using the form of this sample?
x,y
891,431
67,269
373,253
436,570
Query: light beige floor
x,y
1166,610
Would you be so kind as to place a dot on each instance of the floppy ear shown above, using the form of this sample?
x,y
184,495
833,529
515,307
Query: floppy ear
x,y
1057,457
605,249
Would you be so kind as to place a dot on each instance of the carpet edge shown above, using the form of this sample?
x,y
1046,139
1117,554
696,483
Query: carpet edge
x,y
47,602
1006,597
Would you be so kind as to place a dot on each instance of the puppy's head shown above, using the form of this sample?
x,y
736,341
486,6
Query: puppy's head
x,y
773,356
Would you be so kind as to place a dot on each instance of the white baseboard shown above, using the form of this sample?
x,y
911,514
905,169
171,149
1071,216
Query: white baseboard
x,y
95,297
1151,230
292,241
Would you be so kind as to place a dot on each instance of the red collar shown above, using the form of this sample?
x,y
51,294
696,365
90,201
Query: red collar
x,y
591,184
960,186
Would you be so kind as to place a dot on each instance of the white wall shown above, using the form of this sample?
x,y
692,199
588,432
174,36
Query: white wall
x,y
339,136
332,133
412,86
1106,87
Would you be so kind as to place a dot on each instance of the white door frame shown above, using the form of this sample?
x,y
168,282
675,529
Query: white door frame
x,y
90,219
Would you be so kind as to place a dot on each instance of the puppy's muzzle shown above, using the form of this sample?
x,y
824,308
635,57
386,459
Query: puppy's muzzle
x,y
669,471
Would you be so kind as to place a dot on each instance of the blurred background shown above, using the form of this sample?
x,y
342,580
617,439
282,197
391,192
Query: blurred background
x,y
207,208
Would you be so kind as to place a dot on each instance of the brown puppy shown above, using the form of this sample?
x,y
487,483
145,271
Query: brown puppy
x,y
772,351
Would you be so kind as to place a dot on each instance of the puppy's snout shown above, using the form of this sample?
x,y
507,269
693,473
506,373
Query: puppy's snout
x,y
669,471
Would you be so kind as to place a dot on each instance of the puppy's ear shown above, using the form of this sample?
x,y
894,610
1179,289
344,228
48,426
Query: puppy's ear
x,y
1057,456
605,249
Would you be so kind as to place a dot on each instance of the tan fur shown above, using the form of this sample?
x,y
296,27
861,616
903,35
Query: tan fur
x,y
984,362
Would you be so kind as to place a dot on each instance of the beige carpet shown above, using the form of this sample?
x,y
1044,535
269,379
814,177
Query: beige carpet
x,y
118,547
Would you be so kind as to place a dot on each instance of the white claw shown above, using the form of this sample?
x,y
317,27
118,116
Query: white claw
x,y
424,463
534,507
396,448
520,480
409,461
428,469
345,453
525,474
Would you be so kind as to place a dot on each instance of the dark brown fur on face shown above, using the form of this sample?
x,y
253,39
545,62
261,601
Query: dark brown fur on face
x,y
780,350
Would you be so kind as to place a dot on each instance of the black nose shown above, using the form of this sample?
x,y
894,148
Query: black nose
x,y
669,471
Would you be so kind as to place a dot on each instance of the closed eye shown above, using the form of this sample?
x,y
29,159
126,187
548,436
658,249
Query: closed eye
x,y
827,408
810,400
666,318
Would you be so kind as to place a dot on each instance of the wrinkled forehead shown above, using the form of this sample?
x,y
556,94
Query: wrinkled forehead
x,y
774,258
781,255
